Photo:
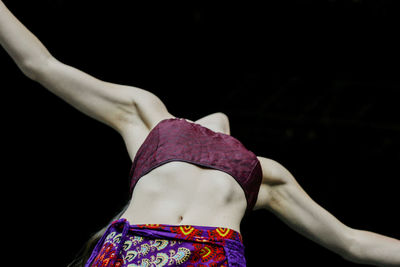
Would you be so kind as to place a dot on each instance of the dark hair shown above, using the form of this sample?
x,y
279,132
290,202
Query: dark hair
x,y
86,250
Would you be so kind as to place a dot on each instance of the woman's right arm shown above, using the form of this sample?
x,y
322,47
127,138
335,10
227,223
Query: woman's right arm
x,y
116,105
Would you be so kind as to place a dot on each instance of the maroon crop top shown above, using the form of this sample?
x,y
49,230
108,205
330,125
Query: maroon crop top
x,y
176,139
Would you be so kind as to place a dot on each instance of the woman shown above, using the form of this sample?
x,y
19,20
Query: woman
x,y
192,183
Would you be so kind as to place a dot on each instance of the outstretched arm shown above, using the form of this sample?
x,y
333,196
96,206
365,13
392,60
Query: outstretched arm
x,y
112,104
281,194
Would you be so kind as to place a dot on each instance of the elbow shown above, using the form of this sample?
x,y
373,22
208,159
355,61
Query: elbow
x,y
352,251
33,69
29,70
351,257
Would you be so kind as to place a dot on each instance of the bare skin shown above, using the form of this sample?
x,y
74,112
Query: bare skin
x,y
182,193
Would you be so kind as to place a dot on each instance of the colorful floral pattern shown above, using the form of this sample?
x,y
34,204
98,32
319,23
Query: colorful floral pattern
x,y
168,245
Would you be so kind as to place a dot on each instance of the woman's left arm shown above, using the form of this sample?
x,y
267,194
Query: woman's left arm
x,y
282,195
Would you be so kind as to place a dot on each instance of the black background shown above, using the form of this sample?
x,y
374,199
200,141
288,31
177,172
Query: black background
x,y
312,84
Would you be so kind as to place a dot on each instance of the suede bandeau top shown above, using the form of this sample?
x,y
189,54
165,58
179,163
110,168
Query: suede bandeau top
x,y
176,139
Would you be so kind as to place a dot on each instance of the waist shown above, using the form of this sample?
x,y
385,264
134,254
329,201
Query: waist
x,y
183,232
180,193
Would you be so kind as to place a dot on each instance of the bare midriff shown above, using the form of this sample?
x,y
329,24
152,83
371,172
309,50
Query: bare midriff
x,y
181,193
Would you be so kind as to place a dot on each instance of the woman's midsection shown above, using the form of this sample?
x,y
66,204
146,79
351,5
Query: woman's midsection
x,y
180,193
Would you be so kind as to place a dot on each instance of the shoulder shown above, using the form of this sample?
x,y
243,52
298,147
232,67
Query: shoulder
x,y
273,172
274,175
218,122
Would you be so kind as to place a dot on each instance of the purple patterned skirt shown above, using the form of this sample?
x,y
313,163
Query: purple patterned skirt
x,y
148,245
